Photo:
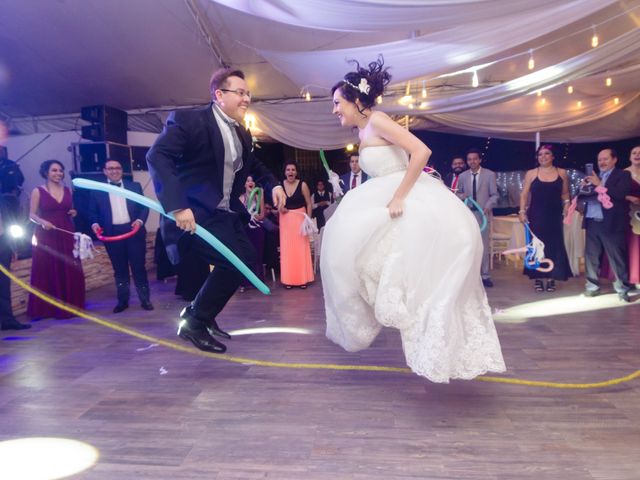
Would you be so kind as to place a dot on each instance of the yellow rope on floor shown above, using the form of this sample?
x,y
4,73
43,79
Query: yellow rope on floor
x,y
315,366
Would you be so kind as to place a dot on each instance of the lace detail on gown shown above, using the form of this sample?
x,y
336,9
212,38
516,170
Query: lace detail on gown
x,y
419,274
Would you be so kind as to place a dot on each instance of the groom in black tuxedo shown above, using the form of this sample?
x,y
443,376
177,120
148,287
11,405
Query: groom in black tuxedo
x,y
116,216
199,165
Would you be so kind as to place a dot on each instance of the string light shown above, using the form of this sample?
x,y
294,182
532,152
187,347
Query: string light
x,y
307,96
579,103
539,93
379,99
474,80
570,89
608,82
616,101
349,147
532,63
424,89
543,101
594,39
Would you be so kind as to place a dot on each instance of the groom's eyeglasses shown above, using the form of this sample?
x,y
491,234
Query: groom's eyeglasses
x,y
240,92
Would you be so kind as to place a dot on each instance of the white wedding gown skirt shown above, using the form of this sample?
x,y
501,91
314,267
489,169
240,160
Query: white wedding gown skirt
x,y
419,273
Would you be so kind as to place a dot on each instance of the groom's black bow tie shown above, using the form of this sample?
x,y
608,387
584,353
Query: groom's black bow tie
x,y
117,184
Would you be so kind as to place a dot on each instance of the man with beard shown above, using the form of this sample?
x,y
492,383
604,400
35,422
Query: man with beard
x,y
451,178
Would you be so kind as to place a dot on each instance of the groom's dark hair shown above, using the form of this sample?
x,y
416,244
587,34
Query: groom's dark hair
x,y
219,78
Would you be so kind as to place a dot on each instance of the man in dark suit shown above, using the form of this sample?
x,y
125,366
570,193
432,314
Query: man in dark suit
x,y
606,227
199,165
452,178
116,216
356,176
7,320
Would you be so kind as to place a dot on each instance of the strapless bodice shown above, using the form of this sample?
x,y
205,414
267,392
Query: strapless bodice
x,y
381,160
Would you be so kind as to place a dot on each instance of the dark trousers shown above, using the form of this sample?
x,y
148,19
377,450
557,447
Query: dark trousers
x,y
614,244
224,279
6,313
129,253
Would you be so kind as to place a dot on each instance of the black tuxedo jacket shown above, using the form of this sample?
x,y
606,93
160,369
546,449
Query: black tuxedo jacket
x,y
100,208
186,164
346,184
616,219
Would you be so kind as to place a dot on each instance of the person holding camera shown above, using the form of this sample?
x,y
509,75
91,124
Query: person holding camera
x,y
606,220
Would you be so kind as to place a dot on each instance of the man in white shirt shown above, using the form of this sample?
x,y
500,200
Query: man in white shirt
x,y
113,215
356,176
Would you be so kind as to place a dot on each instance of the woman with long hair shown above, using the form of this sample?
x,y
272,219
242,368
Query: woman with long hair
x,y
54,269
403,251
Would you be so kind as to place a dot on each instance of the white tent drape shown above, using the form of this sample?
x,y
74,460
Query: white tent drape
x,y
438,52
373,15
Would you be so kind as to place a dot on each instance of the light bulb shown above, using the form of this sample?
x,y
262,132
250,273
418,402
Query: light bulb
x,y
307,97
608,82
379,99
579,103
616,101
543,101
539,93
532,63
474,80
570,89
594,39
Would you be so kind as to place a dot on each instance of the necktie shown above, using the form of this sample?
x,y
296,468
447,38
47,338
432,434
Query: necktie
x,y
473,189
354,180
454,183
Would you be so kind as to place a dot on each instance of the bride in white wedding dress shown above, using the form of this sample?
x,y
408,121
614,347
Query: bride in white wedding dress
x,y
403,251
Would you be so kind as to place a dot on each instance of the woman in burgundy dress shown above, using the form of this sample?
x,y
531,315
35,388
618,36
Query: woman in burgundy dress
x,y
54,269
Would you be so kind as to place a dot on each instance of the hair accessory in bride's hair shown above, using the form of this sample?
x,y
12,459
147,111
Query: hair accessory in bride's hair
x,y
363,86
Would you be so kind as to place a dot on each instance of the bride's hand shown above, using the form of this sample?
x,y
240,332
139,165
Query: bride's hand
x,y
395,207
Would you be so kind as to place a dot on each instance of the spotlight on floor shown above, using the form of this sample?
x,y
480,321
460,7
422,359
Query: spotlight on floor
x,y
558,306
45,458
254,331
16,231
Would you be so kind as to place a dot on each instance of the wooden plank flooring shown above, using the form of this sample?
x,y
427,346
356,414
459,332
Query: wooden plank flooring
x,y
210,419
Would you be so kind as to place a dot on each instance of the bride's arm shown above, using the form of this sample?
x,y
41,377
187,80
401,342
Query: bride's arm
x,y
383,126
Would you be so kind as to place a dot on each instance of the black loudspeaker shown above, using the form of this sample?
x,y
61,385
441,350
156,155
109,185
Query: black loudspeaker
x,y
108,124
91,157
139,157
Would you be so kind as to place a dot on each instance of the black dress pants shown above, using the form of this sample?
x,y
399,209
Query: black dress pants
x,y
614,244
224,279
6,313
125,253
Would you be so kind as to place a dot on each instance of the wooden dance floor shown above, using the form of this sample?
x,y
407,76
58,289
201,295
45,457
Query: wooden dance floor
x,y
152,412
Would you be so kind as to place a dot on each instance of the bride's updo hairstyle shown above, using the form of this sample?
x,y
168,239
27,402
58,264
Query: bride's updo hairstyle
x,y
364,84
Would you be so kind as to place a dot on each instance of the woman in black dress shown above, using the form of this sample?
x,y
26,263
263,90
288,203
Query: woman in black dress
x,y
548,189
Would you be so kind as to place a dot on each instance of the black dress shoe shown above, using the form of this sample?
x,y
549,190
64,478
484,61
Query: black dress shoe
x,y
624,296
120,307
200,337
146,305
214,329
14,325
487,282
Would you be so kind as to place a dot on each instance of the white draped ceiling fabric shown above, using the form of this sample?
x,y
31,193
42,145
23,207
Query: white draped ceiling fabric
x,y
497,38
152,56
